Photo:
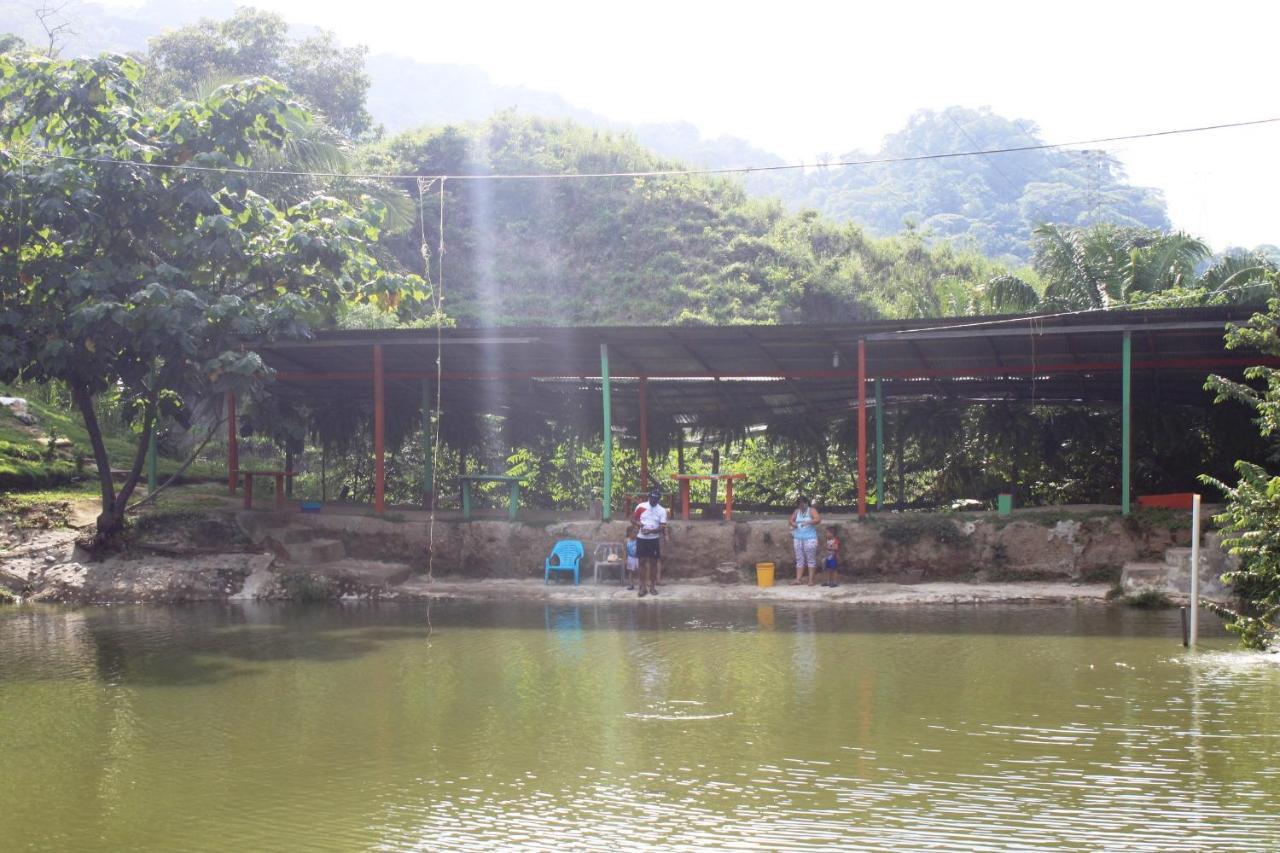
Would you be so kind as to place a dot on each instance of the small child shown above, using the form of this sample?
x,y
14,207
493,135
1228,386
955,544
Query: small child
x,y
633,560
832,561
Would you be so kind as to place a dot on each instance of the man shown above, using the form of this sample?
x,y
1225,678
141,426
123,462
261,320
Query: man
x,y
652,519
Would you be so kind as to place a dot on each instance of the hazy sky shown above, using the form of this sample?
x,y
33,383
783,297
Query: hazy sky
x,y
805,77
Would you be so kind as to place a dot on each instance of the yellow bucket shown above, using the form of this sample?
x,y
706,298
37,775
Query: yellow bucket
x,y
764,574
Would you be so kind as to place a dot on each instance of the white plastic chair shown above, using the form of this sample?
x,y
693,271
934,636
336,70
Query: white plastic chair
x,y
601,558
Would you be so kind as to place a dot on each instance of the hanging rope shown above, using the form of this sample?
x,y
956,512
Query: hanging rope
x,y
437,299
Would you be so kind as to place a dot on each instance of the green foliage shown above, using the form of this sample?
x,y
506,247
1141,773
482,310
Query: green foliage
x,y
988,203
25,462
1151,599
149,280
1105,265
252,43
1252,516
669,250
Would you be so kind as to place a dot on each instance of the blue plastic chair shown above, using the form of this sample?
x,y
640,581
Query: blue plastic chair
x,y
568,556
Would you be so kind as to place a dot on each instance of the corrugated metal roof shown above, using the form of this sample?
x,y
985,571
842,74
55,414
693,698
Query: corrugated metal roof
x,y
732,376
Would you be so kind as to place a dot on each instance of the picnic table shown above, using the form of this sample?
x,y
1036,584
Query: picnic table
x,y
728,491
249,474
513,503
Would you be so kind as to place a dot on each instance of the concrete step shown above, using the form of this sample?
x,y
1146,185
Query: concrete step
x,y
1178,558
1140,577
313,551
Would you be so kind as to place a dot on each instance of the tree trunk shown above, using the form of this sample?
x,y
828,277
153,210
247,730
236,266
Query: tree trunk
x,y
84,402
111,519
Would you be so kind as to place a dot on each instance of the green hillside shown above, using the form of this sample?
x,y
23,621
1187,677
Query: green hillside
x,y
644,250
55,451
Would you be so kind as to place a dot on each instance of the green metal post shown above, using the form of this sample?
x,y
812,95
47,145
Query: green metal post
x,y
879,447
428,447
608,433
1126,387
152,472
513,505
466,500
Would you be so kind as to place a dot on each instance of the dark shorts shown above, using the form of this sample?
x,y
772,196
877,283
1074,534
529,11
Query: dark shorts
x,y
647,548
830,564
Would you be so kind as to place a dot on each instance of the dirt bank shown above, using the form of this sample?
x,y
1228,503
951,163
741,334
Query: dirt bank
x,y
214,554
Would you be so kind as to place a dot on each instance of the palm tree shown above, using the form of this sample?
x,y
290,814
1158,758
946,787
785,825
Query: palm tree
x,y
1107,266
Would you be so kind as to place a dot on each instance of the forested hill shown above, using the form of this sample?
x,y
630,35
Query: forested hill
x,y
986,203
657,250
991,203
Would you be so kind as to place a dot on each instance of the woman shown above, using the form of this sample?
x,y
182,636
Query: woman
x,y
804,535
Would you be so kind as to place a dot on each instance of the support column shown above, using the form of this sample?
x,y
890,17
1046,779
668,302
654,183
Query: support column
x,y
233,445
880,499
644,434
862,428
379,421
428,449
1126,387
897,453
607,496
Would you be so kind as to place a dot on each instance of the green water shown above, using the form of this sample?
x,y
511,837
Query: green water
x,y
518,725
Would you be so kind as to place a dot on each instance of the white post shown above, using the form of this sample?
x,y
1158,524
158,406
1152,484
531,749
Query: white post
x,y
1195,571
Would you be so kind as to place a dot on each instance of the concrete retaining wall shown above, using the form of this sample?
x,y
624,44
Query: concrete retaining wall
x,y
910,547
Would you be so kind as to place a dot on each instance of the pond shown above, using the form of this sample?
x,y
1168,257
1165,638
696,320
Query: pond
x,y
486,726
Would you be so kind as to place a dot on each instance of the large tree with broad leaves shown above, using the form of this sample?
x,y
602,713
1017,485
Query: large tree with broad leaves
x,y
137,254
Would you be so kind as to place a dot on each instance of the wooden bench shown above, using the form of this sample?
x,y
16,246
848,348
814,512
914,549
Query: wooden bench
x,y
728,491
249,474
513,503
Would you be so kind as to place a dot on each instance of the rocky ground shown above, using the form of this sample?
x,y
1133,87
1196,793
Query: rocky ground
x,y
216,553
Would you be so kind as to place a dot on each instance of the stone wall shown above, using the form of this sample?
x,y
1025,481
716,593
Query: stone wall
x,y
907,547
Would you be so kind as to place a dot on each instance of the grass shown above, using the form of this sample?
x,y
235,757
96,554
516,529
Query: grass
x,y
1151,599
7,597
45,508
27,462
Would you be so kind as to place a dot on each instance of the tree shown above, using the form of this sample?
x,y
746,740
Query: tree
x,y
126,268
1104,266
990,202
1252,516
328,78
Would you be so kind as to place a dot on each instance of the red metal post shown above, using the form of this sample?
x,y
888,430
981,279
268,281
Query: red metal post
x,y
728,499
862,428
233,446
379,419
644,434
279,492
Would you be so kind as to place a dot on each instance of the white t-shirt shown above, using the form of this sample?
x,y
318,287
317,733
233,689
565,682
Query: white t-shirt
x,y
651,519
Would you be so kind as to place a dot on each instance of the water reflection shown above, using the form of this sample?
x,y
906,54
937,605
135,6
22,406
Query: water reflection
x,y
597,727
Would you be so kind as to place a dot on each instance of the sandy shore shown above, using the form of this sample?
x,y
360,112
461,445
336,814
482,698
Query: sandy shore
x,y
851,593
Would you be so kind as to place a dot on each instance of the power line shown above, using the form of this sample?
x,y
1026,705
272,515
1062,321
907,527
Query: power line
x,y
669,173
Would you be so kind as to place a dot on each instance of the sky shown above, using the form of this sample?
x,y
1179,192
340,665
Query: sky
x,y
801,78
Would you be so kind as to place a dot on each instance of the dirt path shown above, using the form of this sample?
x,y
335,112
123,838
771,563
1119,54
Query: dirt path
x,y
853,593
